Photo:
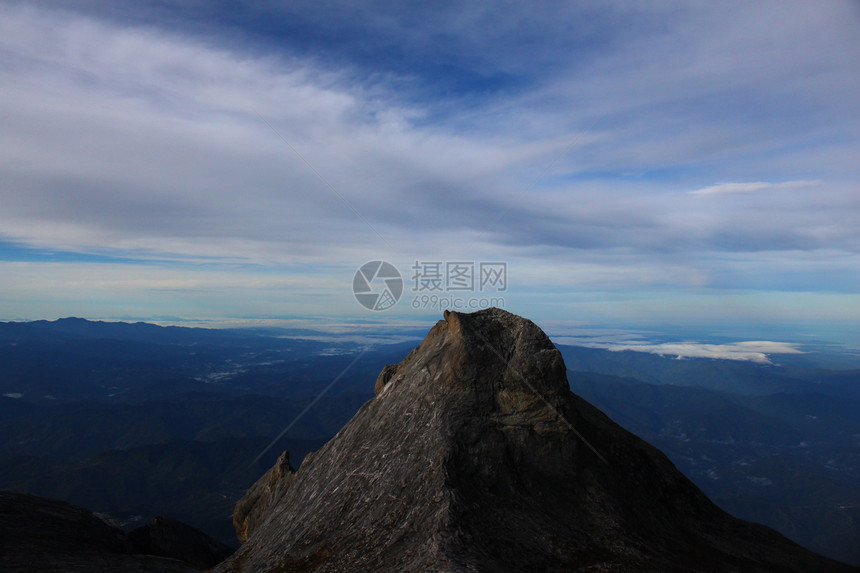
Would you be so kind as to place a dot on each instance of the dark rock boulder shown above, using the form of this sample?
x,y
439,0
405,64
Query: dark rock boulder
x,y
475,456
166,537
38,534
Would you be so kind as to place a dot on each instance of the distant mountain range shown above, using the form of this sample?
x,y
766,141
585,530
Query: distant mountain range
x,y
91,406
72,359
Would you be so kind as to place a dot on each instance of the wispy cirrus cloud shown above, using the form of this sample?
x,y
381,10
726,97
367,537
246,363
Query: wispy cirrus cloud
x,y
753,187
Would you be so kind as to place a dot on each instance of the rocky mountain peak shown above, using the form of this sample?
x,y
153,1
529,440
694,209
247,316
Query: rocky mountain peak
x,y
475,456
507,364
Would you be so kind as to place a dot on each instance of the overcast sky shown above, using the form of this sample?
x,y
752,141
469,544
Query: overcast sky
x,y
633,163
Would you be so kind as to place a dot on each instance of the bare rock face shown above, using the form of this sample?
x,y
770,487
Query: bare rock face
x,y
262,496
475,456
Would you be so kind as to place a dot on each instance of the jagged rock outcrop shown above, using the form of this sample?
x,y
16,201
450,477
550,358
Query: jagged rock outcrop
x,y
49,536
475,456
166,537
262,496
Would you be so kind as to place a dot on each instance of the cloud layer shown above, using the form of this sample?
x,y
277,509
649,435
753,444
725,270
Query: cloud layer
x,y
646,146
758,351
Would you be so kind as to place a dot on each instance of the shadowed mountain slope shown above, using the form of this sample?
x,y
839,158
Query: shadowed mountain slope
x,y
49,536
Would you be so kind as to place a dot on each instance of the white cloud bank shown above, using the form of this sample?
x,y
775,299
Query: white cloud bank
x,y
141,139
758,351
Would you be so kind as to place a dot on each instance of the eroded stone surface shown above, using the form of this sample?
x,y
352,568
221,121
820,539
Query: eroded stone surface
x,y
262,496
475,456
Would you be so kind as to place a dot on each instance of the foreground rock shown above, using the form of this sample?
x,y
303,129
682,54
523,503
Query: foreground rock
x,y
45,535
264,494
166,537
39,534
475,456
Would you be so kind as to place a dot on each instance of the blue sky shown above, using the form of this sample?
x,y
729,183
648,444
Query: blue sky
x,y
635,164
